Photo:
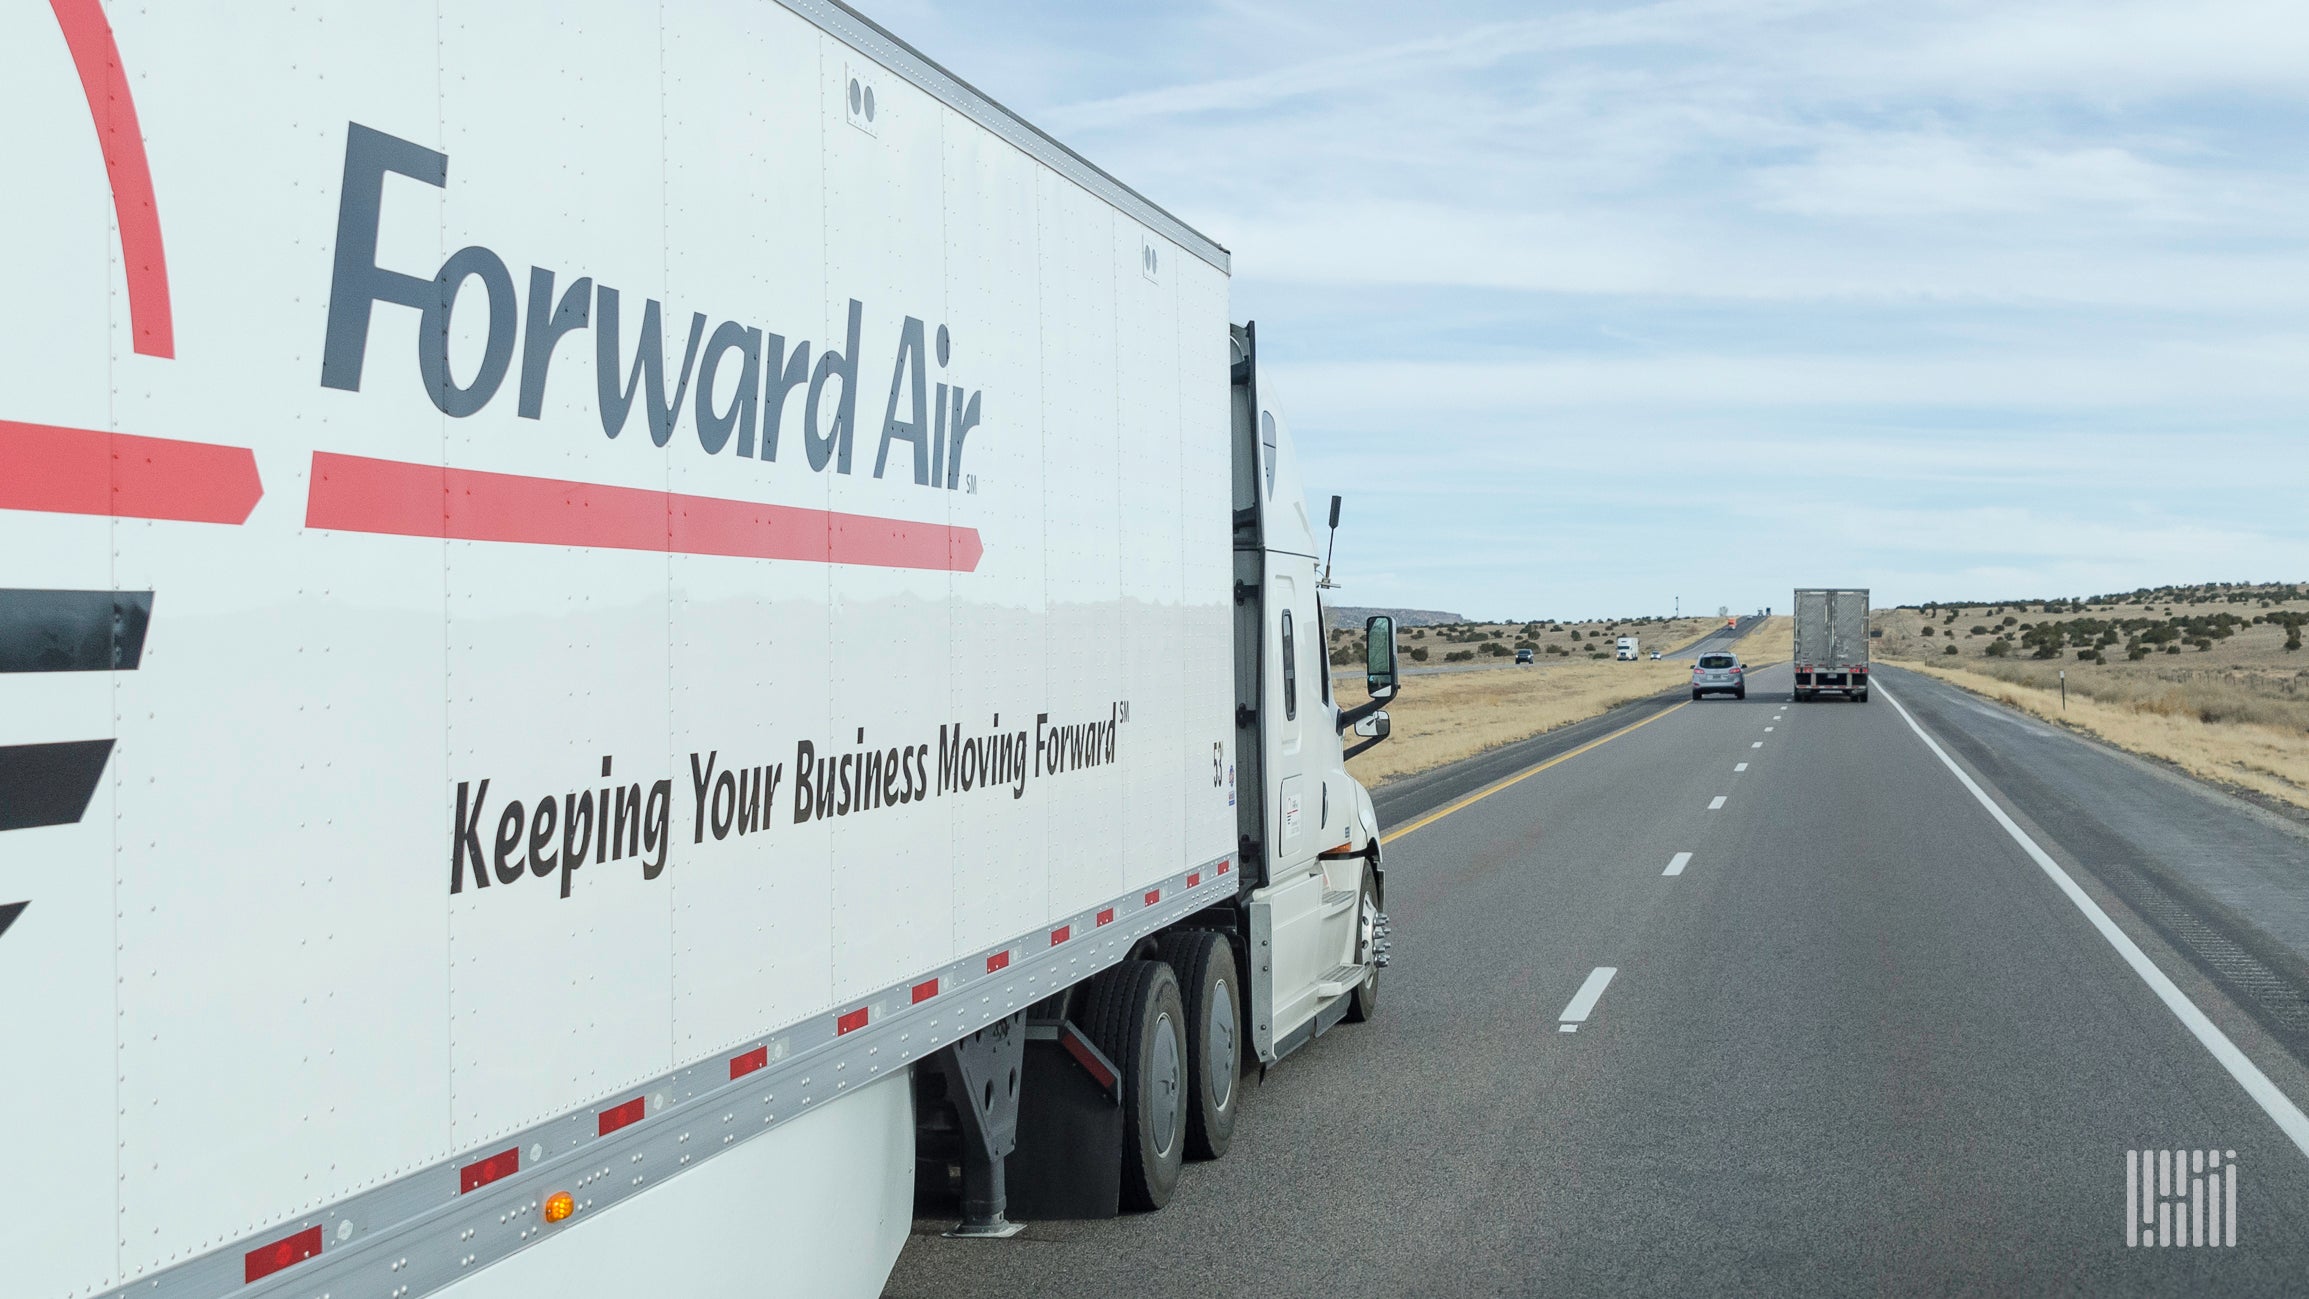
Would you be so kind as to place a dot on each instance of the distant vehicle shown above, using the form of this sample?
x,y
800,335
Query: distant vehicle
x,y
1831,642
1627,646
1719,673
1655,654
1522,656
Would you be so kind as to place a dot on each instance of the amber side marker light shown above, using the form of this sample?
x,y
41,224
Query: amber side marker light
x,y
558,1206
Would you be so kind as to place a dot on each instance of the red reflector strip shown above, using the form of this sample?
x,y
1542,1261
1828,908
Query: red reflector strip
x,y
482,1172
1223,864
618,1116
265,1260
1106,917
1194,879
925,991
1153,896
741,1065
997,961
1090,1063
851,1022
1061,934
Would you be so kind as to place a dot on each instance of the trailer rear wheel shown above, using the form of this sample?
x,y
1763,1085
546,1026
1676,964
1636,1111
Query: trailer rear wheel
x,y
1861,696
1135,1017
1204,961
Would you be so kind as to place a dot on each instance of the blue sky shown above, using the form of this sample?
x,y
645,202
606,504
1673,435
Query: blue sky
x,y
1588,307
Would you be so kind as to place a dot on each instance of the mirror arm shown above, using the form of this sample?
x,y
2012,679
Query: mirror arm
x,y
1349,716
1360,747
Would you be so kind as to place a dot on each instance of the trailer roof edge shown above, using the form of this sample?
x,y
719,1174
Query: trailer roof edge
x,y
877,42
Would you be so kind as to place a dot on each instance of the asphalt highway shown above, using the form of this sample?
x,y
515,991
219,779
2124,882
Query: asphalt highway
x,y
1752,997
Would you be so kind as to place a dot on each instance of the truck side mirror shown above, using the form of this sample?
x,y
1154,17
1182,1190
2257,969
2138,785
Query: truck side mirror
x,y
1379,655
1373,727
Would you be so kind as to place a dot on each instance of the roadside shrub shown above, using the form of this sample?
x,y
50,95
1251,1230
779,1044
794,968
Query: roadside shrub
x,y
1558,649
1928,631
1459,656
1999,649
1418,654
1493,649
1950,650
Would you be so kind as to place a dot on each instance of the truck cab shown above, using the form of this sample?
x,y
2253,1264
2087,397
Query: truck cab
x,y
1628,649
1309,843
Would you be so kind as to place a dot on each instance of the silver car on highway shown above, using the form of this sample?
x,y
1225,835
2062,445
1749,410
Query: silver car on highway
x,y
1719,672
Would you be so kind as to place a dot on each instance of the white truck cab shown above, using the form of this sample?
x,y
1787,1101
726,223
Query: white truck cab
x,y
1628,649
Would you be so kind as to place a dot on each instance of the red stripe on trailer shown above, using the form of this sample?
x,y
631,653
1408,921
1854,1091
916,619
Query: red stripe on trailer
x,y
57,470
925,990
96,57
997,961
396,498
265,1260
851,1022
619,1116
741,1065
482,1172
1106,917
1194,878
1153,896
1061,934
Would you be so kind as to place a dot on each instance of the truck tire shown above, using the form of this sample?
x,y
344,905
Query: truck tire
x,y
1204,962
1861,696
1135,1016
1363,1002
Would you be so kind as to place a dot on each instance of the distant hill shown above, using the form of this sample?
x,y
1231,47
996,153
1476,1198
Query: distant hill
x,y
1348,615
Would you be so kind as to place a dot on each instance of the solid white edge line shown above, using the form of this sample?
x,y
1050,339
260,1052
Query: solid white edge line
x,y
1677,863
1716,804
2273,1102
1588,995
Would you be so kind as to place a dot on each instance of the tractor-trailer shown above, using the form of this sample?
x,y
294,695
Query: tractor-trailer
x,y
1831,642
619,624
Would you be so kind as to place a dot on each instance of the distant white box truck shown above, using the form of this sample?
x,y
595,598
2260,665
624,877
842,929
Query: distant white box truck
x,y
619,620
1831,642
1628,649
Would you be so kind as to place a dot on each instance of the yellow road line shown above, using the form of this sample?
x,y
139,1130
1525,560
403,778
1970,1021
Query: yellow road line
x,y
1481,794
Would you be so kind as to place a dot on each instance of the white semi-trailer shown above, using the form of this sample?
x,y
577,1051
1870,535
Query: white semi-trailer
x,y
616,621
1831,642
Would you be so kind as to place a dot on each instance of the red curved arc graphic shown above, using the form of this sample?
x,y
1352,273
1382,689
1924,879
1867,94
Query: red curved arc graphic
x,y
97,58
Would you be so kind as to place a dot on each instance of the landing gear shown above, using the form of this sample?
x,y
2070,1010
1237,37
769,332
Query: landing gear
x,y
1135,1016
1205,964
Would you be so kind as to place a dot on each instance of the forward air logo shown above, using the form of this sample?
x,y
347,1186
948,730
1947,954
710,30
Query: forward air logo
x,y
748,423
2180,1197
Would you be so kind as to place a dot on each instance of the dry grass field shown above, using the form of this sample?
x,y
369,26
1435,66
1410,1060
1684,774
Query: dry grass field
x,y
1774,642
1443,717
1448,716
2200,677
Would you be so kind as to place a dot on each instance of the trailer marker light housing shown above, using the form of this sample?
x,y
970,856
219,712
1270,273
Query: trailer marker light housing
x,y
1000,960
1194,878
619,1116
1153,896
925,990
1061,934
1106,917
559,1205
1223,864
851,1022
265,1260
741,1065
482,1172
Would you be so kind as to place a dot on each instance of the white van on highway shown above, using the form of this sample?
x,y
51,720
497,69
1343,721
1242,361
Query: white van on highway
x,y
1627,648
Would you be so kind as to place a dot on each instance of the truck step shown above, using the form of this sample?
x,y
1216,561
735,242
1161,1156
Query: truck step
x,y
1338,900
1340,981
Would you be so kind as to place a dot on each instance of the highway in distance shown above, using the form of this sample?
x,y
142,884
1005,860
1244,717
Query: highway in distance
x,y
1766,998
